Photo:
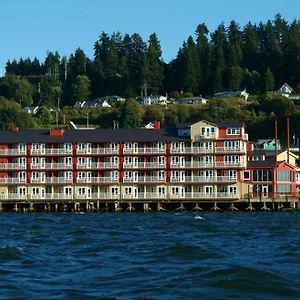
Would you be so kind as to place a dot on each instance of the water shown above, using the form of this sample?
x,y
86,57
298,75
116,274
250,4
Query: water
x,y
150,256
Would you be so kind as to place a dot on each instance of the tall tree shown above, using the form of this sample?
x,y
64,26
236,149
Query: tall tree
x,y
153,66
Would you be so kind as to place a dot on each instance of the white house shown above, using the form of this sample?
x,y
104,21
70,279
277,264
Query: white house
x,y
31,109
285,90
149,100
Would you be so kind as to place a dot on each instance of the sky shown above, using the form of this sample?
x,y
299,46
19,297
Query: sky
x,y
31,28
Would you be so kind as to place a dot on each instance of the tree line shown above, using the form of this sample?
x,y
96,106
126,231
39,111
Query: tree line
x,y
258,57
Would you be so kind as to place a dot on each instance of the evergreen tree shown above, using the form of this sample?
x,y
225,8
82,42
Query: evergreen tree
x,y
153,66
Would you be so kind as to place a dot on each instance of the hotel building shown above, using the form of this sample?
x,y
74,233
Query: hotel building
x,y
200,161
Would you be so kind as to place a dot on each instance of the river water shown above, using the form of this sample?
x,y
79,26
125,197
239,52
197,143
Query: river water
x,y
150,255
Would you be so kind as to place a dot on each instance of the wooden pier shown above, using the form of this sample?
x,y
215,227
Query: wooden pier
x,y
250,205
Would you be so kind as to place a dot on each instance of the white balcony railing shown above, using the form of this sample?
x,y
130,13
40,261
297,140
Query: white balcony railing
x,y
144,179
87,151
51,151
98,165
12,166
51,166
12,152
14,180
146,150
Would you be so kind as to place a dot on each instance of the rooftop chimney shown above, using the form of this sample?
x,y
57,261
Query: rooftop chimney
x,y
156,125
15,129
56,132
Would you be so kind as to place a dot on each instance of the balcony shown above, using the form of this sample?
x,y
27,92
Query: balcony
x,y
202,150
97,180
12,166
51,151
95,151
12,180
98,165
51,166
59,180
144,179
181,165
12,152
186,150
144,165
230,150
146,150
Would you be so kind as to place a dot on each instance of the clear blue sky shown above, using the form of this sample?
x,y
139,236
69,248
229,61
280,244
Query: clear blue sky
x,y
30,28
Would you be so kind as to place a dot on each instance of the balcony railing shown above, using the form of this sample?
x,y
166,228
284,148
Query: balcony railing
x,y
122,196
186,150
146,150
97,180
144,179
93,151
51,166
51,151
13,180
98,165
12,152
12,166
144,165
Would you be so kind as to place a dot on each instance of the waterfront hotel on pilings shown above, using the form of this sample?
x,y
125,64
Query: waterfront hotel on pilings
x,y
193,162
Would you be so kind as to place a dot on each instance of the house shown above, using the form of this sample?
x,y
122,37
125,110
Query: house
x,y
79,104
243,94
149,100
190,100
31,109
267,144
285,90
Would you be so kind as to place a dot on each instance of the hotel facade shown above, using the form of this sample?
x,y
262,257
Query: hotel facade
x,y
193,162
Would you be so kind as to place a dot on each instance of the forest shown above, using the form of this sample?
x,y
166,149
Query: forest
x,y
256,57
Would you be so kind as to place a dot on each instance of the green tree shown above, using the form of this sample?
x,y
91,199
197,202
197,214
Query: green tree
x,y
131,114
81,88
153,66
17,88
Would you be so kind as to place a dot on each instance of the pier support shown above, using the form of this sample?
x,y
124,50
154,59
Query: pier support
x,y
0,206
16,207
31,207
160,208
117,206
181,207
130,207
197,208
98,205
265,207
56,207
146,207
250,207
232,207
215,207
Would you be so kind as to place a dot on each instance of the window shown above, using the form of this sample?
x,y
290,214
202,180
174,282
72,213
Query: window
x,y
115,175
246,175
229,145
161,160
232,174
68,147
231,159
128,191
22,147
233,131
114,160
81,147
128,175
161,146
127,160
81,191
114,191
262,175
114,146
35,147
81,161
68,175
161,174
161,190
81,175
22,161
284,176
232,190
207,131
68,191
175,160
68,161
127,146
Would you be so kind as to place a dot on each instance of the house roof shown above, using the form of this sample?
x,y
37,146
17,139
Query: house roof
x,y
90,135
224,124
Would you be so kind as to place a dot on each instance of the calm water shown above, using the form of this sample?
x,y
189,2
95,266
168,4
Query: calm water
x,y
150,256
